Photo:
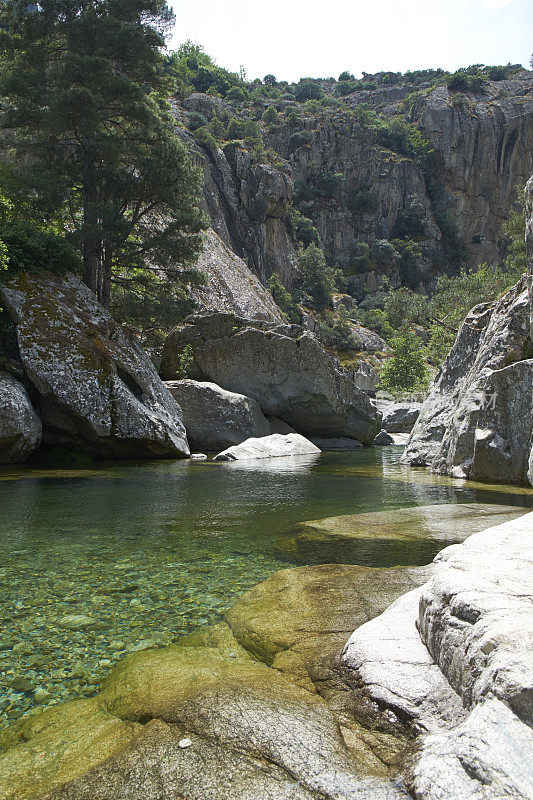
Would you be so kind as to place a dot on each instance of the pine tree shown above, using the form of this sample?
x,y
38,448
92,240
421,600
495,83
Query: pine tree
x,y
90,135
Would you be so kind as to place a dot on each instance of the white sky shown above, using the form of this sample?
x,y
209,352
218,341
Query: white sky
x,y
298,38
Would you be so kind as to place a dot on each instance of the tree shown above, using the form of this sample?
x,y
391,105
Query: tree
x,y
319,279
83,82
406,369
283,298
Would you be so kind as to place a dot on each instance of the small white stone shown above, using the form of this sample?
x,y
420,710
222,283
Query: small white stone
x,y
183,743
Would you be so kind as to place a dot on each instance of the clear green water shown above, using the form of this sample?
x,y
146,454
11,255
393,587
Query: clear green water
x,y
149,551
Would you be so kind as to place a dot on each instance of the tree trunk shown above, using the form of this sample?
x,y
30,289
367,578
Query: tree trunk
x,y
91,240
105,287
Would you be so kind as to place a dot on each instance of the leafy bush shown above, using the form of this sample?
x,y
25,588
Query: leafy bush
x,y
270,80
27,248
409,222
454,247
196,120
344,88
406,369
318,278
283,298
203,136
465,82
299,139
194,71
237,94
346,76
270,115
308,89
301,228
405,138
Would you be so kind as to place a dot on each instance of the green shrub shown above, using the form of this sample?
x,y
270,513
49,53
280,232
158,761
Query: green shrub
x,y
204,137
299,139
269,80
270,115
409,222
283,298
406,369
318,278
185,362
31,249
196,120
346,76
308,89
216,127
301,228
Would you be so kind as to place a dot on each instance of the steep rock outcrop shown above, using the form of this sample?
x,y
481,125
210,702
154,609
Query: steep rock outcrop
x,y
475,408
20,427
485,145
246,201
283,367
230,285
215,418
97,387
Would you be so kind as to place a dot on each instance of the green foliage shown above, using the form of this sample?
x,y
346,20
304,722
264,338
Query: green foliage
x,y
26,248
406,369
409,222
409,266
270,80
405,138
308,89
185,362
405,307
301,228
204,137
91,135
455,248
346,87
513,228
237,94
196,120
270,115
361,199
318,278
192,70
463,82
284,299
299,139
217,129
346,76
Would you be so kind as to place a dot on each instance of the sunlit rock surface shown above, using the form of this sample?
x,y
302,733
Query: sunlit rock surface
x,y
98,388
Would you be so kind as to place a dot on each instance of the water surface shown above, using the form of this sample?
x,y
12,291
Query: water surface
x,y
151,550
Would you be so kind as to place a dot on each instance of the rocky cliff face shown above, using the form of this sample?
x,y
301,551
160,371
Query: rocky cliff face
x,y
478,419
355,190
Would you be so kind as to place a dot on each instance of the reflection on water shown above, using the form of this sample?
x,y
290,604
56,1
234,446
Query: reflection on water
x,y
148,551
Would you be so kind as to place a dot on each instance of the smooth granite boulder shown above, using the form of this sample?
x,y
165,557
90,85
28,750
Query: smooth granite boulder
x,y
383,439
45,750
283,367
98,389
276,445
398,417
215,418
20,427
452,661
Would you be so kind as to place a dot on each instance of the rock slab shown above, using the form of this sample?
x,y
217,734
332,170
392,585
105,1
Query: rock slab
x,y
215,418
20,427
283,367
98,388
276,445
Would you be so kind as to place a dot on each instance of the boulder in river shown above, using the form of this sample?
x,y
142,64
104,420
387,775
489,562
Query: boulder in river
x,y
276,445
215,418
398,417
20,427
97,386
283,367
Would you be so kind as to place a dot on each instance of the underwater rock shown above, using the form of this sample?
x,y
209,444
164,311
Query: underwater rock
x,y
410,535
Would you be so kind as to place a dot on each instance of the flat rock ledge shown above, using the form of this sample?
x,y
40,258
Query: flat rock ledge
x,y
452,660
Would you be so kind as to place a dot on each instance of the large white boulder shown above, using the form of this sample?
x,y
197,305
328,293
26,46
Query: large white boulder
x,y
97,386
20,427
273,446
214,417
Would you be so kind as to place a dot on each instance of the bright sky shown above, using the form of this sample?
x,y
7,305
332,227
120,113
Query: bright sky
x,y
297,38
